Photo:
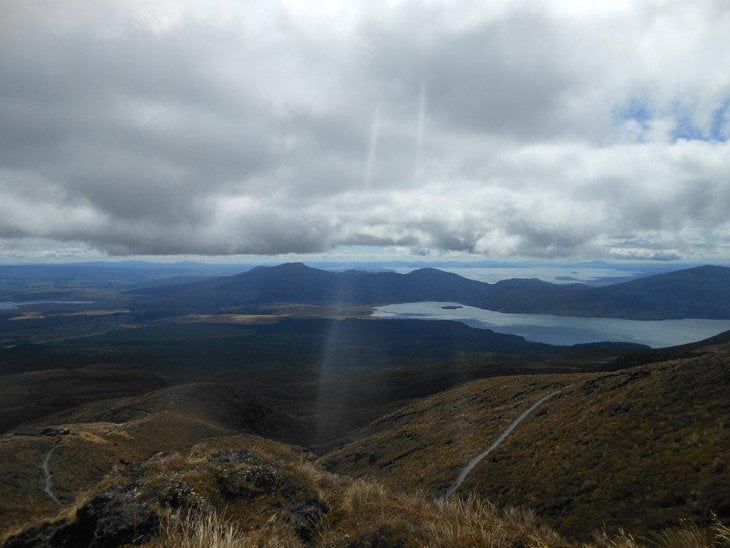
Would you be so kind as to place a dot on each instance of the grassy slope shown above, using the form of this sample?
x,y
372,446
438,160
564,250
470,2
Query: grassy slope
x,y
416,450
423,445
30,396
640,448
252,488
338,375
130,429
244,490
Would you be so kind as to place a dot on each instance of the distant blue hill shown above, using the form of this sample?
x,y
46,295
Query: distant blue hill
x,y
701,292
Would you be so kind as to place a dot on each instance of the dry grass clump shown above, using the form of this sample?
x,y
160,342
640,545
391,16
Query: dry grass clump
x,y
722,534
621,539
372,501
319,479
686,536
475,522
369,514
210,530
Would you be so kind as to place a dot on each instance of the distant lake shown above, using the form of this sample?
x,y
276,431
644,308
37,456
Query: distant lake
x,y
9,305
561,330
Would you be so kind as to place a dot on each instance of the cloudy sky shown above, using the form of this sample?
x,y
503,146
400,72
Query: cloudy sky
x,y
497,129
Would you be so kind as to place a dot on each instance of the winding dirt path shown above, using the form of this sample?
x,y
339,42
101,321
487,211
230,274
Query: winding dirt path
x,y
476,460
48,477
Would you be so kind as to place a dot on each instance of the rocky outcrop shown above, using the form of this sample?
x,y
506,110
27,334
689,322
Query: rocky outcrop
x,y
109,519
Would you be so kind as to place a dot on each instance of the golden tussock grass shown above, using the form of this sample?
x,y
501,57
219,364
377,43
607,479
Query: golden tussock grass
x,y
321,481
367,513
474,522
194,530
686,536
370,514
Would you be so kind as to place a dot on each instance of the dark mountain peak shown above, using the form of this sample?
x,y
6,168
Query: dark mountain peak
x,y
700,292
523,283
284,270
712,268
704,269
355,272
700,274
427,269
284,267
429,273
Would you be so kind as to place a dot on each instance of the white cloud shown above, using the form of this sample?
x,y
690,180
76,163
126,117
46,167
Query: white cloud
x,y
551,129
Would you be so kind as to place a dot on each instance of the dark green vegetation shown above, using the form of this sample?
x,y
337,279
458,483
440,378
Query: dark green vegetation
x,y
94,295
336,374
33,282
28,396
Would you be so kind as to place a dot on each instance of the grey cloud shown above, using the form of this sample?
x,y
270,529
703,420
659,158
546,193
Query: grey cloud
x,y
520,75
498,133
645,255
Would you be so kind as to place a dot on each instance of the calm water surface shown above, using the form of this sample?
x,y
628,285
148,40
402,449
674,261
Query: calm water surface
x,y
562,330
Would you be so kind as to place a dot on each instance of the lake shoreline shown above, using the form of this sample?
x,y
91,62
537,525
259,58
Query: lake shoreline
x,y
561,330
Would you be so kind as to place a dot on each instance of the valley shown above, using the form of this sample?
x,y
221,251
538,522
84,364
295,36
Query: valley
x,y
329,426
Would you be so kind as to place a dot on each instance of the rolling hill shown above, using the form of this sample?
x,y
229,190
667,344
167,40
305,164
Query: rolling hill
x,y
169,466
700,292
33,395
90,440
642,448
242,490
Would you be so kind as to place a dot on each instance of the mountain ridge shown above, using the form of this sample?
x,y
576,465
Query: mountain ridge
x,y
700,292
577,459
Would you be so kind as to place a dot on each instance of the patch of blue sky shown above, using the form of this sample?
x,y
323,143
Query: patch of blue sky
x,y
716,131
720,127
639,110
686,128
